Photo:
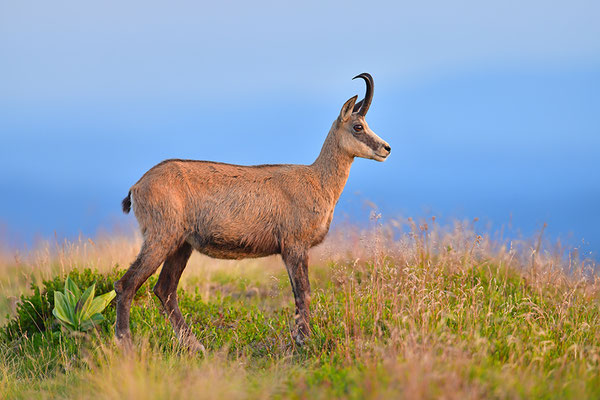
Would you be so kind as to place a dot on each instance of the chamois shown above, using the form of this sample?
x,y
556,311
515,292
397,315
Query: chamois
x,y
233,212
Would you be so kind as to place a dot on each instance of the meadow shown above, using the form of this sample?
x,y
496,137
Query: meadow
x,y
429,312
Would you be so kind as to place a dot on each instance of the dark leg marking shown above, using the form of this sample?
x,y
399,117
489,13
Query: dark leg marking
x,y
147,262
296,262
166,291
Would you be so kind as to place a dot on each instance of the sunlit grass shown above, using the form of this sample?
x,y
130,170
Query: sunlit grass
x,y
435,312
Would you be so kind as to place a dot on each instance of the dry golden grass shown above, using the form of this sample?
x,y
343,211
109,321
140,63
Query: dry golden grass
x,y
438,312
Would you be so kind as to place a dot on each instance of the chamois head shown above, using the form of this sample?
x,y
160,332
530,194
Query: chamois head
x,y
354,135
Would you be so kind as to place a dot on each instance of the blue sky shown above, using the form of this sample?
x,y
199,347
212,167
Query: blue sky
x,y
491,108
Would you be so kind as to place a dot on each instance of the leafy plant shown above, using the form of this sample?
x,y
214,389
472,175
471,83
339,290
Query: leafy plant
x,y
78,311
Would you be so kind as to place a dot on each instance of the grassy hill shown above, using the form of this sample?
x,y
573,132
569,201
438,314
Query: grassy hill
x,y
440,312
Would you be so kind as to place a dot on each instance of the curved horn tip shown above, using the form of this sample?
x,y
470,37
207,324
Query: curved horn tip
x,y
366,102
364,75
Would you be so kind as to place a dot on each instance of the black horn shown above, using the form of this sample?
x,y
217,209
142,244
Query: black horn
x,y
363,106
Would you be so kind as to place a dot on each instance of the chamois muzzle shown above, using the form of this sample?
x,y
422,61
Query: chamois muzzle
x,y
363,106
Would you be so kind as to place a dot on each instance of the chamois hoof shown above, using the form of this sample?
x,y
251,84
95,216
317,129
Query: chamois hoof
x,y
300,340
195,347
192,344
124,341
300,336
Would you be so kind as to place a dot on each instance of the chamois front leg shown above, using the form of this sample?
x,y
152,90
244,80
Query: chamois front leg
x,y
296,263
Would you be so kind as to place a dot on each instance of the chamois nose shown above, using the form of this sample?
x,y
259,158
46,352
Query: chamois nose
x,y
387,147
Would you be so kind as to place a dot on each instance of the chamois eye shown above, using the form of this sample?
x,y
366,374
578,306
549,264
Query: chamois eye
x,y
358,128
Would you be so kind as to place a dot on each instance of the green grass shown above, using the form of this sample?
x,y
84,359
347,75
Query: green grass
x,y
429,315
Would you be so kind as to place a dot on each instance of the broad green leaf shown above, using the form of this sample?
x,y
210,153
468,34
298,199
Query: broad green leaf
x,y
84,304
60,308
100,302
70,286
60,305
77,311
72,294
91,322
68,326
97,318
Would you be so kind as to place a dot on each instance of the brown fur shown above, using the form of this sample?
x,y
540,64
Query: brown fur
x,y
233,212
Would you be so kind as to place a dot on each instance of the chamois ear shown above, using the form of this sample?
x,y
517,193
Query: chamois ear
x,y
347,109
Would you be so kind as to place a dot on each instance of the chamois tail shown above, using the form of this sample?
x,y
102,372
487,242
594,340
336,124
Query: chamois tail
x,y
126,203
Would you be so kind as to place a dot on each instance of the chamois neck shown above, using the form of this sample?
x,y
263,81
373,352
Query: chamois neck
x,y
333,166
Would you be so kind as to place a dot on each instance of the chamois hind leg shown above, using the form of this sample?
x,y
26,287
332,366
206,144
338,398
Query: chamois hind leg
x,y
166,290
296,263
151,255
